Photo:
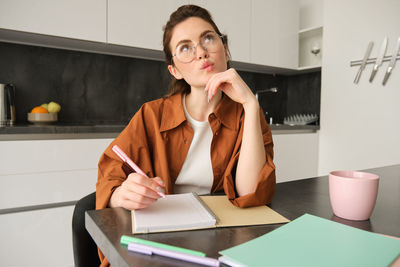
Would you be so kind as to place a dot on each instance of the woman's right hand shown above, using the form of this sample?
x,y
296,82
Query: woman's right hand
x,y
137,192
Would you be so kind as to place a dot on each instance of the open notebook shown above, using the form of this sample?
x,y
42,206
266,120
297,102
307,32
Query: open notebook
x,y
188,211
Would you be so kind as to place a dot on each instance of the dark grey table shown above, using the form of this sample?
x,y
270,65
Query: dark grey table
x,y
292,200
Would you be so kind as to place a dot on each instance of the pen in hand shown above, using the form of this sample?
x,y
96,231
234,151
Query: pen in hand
x,y
135,167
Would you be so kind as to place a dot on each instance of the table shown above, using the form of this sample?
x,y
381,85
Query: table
x,y
292,200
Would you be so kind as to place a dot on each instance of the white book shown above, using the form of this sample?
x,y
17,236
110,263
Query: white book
x,y
174,213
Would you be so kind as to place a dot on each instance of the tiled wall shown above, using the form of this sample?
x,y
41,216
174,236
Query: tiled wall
x,y
94,88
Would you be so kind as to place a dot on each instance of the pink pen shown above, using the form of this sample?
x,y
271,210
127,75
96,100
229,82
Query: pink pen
x,y
149,250
126,159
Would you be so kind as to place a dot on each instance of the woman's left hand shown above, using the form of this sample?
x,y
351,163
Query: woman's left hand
x,y
232,85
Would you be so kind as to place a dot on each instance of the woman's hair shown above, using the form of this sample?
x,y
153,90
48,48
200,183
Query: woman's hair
x,y
181,14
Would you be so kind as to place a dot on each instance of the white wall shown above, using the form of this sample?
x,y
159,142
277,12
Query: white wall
x,y
360,124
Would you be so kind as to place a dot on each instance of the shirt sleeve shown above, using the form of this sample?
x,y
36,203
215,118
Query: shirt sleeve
x,y
266,182
112,172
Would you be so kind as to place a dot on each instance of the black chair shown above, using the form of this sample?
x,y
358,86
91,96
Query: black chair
x,y
85,249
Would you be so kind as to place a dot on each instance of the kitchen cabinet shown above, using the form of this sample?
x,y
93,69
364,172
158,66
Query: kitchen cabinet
x,y
310,34
274,33
233,19
295,156
310,47
37,238
85,20
139,23
39,182
260,32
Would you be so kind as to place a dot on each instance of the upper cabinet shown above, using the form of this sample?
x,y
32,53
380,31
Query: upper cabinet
x,y
310,34
233,19
85,20
139,23
260,32
274,33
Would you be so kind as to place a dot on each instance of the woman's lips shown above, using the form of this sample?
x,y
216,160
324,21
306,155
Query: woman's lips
x,y
208,66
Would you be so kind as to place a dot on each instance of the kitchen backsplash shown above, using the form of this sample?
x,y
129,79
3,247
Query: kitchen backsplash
x,y
104,89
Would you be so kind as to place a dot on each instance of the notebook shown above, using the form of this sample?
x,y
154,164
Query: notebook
x,y
313,241
189,211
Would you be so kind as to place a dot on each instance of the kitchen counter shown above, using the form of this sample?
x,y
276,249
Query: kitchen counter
x,y
88,131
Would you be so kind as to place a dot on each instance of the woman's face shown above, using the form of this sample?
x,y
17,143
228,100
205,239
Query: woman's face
x,y
205,63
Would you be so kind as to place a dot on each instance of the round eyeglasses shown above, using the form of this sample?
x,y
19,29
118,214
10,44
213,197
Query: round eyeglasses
x,y
185,52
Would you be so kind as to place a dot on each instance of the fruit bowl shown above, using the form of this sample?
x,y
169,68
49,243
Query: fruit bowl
x,y
42,118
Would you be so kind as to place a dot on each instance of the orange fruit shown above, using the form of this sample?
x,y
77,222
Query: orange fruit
x,y
39,110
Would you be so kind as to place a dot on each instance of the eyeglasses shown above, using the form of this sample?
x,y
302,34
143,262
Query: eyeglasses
x,y
185,52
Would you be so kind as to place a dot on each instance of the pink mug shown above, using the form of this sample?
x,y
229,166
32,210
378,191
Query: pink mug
x,y
353,194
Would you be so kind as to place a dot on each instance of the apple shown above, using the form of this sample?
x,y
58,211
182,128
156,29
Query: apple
x,y
53,107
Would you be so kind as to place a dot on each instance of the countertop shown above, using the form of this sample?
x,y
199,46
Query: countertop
x,y
87,131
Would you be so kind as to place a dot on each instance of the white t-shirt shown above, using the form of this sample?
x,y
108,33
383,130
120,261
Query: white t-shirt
x,y
196,174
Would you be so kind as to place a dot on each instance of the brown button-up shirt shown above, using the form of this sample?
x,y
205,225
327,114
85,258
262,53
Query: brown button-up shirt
x,y
158,139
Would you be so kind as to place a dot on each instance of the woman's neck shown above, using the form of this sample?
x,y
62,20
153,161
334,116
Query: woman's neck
x,y
198,106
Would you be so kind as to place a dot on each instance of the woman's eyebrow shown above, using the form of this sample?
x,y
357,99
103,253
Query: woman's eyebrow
x,y
205,32
182,41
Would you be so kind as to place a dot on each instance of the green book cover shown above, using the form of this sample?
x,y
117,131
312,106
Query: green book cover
x,y
313,241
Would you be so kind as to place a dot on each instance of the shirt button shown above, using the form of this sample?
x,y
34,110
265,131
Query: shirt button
x,y
216,133
185,141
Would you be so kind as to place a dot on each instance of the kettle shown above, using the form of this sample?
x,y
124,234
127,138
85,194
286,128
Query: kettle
x,y
7,108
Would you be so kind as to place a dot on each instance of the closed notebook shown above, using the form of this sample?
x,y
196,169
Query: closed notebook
x,y
188,211
313,241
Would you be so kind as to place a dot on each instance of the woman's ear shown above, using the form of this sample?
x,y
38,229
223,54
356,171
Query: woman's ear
x,y
175,72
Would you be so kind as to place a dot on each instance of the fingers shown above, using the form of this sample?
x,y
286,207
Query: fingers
x,y
232,85
149,187
218,81
212,86
160,184
137,192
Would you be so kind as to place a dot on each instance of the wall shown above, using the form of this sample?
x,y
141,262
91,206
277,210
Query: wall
x,y
102,89
359,123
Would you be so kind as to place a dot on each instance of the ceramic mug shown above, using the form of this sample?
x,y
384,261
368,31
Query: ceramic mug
x,y
353,194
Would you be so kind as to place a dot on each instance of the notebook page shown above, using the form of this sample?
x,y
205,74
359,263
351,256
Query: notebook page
x,y
174,212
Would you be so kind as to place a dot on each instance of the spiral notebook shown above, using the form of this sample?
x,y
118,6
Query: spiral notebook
x,y
189,211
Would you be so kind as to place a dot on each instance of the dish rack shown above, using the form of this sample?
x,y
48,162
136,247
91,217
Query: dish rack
x,y
300,119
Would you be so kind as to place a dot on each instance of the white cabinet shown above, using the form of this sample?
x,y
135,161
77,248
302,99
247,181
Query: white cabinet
x,y
274,33
262,32
42,172
295,156
310,34
232,18
139,23
37,238
310,47
76,19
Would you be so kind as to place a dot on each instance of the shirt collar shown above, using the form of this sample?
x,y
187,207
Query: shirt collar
x,y
173,113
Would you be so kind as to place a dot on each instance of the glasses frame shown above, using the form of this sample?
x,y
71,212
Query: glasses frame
x,y
194,47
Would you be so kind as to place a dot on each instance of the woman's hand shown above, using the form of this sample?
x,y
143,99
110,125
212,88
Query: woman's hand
x,y
232,85
137,192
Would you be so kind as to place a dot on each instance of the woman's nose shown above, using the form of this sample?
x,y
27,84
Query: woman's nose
x,y
201,52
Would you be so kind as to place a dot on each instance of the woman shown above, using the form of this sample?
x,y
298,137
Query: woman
x,y
209,134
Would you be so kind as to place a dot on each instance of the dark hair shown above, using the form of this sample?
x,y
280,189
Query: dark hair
x,y
181,14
